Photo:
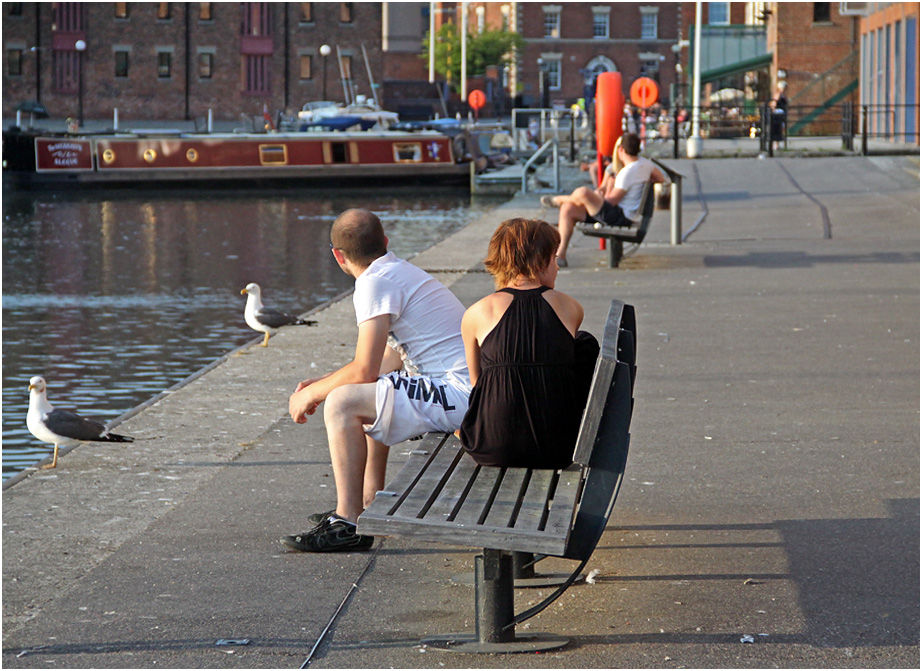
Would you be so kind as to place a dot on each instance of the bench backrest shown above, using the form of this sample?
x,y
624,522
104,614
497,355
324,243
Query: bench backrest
x,y
647,204
604,437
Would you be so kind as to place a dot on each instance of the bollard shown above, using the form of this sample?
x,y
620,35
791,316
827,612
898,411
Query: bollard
x,y
675,212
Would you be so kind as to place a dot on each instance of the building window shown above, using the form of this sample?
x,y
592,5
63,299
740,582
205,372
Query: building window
x,y
14,62
649,20
204,11
345,12
164,64
552,22
255,74
256,19
67,17
121,10
65,71
600,22
121,63
649,67
307,70
552,66
15,8
822,12
346,62
163,10
307,12
719,13
205,65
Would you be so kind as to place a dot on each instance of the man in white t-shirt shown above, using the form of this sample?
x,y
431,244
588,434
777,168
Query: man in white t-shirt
x,y
409,376
617,200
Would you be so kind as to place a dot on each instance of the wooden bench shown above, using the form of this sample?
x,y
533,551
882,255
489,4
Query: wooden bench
x,y
617,235
443,495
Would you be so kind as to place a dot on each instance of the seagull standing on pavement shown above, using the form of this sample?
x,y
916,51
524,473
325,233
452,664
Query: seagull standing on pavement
x,y
263,319
62,427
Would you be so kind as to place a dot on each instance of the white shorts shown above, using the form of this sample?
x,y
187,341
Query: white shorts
x,y
409,406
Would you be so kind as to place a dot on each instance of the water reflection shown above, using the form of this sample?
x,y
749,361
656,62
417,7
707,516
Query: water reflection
x,y
116,297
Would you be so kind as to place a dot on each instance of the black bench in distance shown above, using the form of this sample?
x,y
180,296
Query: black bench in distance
x,y
618,235
442,495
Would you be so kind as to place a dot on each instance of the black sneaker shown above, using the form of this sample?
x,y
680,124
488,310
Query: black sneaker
x,y
331,535
317,518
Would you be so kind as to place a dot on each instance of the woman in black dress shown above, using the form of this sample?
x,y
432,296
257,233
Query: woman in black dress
x,y
529,364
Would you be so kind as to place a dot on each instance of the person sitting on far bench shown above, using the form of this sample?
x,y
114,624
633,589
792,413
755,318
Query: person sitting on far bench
x,y
615,203
406,320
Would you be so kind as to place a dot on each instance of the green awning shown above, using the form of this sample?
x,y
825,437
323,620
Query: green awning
x,y
763,61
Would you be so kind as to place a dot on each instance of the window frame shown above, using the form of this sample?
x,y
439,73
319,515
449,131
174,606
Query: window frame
x,y
208,56
116,54
164,60
14,55
552,23
649,20
725,21
598,14
309,60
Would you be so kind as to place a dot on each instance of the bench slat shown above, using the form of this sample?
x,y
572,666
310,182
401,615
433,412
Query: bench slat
x,y
534,510
456,488
508,498
474,504
429,483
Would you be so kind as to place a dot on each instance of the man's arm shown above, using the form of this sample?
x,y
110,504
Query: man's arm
x,y
369,359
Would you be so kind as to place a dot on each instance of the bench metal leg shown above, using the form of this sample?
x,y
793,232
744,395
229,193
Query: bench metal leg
x,y
494,612
615,252
523,573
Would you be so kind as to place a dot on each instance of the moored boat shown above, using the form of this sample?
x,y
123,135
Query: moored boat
x,y
32,159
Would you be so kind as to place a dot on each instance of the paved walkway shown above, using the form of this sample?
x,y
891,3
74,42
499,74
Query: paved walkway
x,y
772,489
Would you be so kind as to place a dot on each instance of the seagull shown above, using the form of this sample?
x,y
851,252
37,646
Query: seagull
x,y
263,319
62,427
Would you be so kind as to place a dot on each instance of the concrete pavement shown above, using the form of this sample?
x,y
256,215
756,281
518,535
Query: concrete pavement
x,y
772,490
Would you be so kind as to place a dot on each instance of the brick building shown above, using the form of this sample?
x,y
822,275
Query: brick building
x,y
177,60
577,41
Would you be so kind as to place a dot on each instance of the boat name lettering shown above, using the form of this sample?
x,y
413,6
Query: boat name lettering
x,y
65,154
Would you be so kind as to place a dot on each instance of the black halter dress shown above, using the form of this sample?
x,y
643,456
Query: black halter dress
x,y
526,407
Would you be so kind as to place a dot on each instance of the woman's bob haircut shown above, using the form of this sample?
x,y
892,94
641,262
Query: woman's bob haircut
x,y
520,248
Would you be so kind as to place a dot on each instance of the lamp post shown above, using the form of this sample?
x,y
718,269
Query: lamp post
x,y
540,62
325,51
80,46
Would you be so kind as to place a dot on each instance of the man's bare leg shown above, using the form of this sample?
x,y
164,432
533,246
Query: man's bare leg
x,y
375,469
574,208
347,409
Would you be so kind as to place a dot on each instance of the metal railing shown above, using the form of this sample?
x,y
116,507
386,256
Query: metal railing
x,y
562,124
897,123
550,144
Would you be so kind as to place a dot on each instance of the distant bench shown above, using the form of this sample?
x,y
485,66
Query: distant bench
x,y
443,495
618,235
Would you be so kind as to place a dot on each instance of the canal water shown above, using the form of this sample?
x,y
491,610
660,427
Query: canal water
x,y
113,297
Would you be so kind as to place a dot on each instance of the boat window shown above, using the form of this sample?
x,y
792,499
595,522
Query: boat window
x,y
273,154
338,152
408,152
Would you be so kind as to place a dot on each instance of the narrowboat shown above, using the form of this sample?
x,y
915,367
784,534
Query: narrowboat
x,y
36,159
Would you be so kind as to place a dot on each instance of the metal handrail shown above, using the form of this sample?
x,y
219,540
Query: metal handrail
x,y
535,157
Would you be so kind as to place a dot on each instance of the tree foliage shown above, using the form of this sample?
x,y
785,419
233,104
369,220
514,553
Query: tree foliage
x,y
491,47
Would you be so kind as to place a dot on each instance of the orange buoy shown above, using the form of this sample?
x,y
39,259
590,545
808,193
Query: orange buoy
x,y
609,108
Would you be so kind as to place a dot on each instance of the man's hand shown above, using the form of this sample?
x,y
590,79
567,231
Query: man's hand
x,y
302,403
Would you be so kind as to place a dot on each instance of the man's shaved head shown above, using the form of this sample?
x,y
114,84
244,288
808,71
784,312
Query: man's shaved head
x,y
359,235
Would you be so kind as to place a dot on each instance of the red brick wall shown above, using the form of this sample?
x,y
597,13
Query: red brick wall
x,y
578,47
143,95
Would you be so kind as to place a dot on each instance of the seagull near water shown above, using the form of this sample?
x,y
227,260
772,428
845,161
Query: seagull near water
x,y
265,320
62,427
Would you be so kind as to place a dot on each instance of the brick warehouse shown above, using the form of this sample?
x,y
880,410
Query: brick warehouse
x,y
177,60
